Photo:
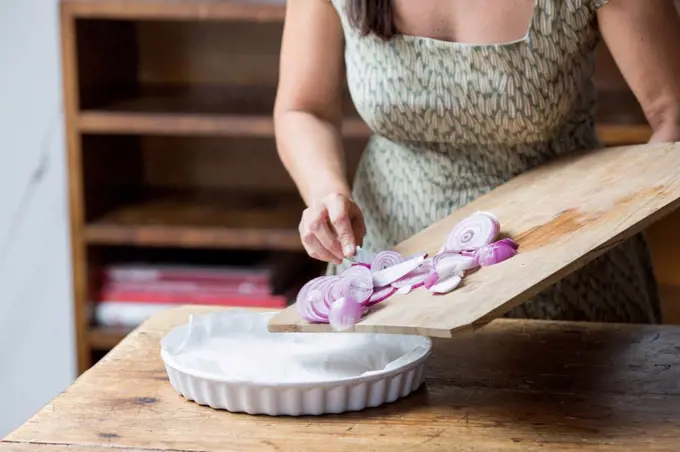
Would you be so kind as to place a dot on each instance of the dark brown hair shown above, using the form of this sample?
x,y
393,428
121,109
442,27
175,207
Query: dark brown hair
x,y
372,17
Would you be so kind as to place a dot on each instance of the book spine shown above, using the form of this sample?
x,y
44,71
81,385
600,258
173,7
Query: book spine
x,y
183,287
130,297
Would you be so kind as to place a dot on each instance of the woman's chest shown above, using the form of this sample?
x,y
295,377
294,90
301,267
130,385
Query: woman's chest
x,y
415,88
465,21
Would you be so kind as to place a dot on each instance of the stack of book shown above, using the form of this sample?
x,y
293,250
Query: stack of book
x,y
129,293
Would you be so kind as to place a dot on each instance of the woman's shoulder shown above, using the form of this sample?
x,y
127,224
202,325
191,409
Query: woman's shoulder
x,y
574,20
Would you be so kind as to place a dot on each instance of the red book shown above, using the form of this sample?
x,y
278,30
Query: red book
x,y
144,273
268,301
244,288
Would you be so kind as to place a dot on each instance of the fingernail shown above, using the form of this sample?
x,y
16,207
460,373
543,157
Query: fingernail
x,y
348,250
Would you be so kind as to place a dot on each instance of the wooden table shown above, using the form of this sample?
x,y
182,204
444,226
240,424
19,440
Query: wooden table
x,y
514,385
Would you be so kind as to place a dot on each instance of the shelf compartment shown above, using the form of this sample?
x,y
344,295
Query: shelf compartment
x,y
231,220
194,110
246,10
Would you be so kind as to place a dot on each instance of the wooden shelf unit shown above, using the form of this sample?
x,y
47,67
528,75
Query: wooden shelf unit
x,y
204,220
170,137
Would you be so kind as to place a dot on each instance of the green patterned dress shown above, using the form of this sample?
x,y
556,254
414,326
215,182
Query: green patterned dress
x,y
452,121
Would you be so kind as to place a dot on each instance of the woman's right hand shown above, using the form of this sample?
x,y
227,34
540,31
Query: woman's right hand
x,y
332,227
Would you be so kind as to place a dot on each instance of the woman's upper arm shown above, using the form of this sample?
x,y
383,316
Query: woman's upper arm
x,y
312,64
643,36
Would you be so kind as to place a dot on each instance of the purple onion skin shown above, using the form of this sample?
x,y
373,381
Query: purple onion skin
x,y
510,242
495,253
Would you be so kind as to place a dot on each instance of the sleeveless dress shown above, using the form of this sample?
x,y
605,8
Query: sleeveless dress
x,y
452,121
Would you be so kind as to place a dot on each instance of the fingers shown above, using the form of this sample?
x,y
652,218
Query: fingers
x,y
315,250
325,235
358,226
331,230
339,215
317,238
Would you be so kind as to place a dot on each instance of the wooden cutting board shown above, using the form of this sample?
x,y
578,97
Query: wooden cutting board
x,y
563,215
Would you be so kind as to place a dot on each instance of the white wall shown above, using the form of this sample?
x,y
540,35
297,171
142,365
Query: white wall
x,y
37,354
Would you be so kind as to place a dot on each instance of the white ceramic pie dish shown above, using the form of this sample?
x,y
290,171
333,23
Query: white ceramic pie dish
x,y
228,360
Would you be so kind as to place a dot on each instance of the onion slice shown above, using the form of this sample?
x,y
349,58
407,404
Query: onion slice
x,y
389,275
495,253
508,241
345,314
362,256
472,233
380,295
403,290
453,260
415,278
359,284
446,285
386,259
446,265
310,300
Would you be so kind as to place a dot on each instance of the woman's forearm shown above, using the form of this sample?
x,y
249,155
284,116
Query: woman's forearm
x,y
311,150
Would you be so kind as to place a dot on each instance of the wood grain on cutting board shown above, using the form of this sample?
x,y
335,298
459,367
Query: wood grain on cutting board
x,y
563,215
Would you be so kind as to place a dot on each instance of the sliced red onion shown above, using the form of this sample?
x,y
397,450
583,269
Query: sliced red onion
x,y
446,265
381,294
389,275
310,300
386,259
343,299
361,273
313,284
308,313
403,290
359,283
431,279
416,278
334,289
317,305
345,314
446,285
508,241
488,214
363,256
472,233
450,260
322,296
495,253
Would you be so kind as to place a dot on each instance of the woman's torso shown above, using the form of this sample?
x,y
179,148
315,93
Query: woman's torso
x,y
452,120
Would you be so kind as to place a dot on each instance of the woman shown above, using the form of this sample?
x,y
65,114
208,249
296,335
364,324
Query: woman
x,y
462,96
